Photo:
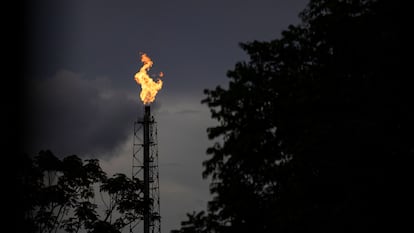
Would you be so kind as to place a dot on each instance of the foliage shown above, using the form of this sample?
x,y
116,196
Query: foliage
x,y
312,129
61,194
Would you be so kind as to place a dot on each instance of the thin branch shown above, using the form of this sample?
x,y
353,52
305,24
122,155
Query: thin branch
x,y
56,220
100,193
128,223
48,175
79,225
52,208
110,210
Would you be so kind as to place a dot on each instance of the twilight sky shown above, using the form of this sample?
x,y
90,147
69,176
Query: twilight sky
x,y
83,55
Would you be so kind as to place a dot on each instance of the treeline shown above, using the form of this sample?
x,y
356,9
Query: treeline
x,y
315,129
73,195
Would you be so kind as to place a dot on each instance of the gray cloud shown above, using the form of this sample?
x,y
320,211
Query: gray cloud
x,y
74,115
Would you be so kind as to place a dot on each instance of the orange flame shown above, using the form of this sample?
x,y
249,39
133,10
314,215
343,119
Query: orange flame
x,y
149,88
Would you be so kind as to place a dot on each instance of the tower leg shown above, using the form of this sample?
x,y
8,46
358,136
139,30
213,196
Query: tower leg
x,y
146,160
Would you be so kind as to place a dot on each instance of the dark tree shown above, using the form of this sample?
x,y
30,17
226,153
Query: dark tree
x,y
314,130
56,195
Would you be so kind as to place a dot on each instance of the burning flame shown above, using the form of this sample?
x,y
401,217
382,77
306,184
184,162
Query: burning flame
x,y
149,88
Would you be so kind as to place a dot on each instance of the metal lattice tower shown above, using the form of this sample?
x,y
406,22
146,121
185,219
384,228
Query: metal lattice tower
x,y
145,168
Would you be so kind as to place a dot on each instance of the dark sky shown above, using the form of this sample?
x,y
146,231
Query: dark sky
x,y
83,99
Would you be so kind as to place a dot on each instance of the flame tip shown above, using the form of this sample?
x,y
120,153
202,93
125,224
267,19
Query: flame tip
x,y
149,88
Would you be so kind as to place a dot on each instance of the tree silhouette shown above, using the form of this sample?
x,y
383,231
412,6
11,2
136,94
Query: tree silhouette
x,y
61,195
313,129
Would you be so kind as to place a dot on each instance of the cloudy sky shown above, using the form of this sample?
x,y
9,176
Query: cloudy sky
x,y
83,99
